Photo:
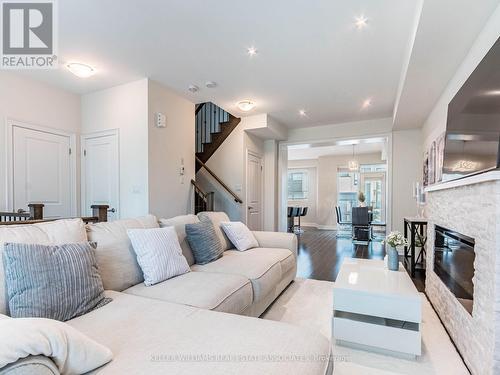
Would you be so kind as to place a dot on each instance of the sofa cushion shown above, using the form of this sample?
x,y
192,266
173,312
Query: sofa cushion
x,y
211,291
179,223
31,365
216,218
52,281
116,258
154,337
204,242
239,235
158,253
261,266
50,233
71,350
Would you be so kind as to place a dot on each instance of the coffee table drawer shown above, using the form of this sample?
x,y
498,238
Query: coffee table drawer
x,y
388,334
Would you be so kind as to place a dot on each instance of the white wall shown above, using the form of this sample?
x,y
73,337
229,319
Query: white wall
x,y
406,169
169,148
311,167
436,122
124,107
33,102
270,185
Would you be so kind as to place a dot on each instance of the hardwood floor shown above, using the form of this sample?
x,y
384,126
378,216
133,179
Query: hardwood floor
x,y
321,254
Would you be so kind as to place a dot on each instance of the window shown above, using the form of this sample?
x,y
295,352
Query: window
x,y
298,185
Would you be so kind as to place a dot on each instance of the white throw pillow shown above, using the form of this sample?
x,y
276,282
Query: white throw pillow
x,y
71,350
159,254
239,234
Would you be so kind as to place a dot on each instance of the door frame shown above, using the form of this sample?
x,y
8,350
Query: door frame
x,y
261,157
9,139
83,180
283,168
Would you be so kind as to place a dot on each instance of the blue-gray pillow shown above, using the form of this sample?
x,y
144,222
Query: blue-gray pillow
x,y
54,282
204,242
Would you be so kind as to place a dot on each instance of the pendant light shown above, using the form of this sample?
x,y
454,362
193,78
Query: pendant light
x,y
353,164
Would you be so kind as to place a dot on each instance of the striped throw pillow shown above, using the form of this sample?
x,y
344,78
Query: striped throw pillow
x,y
204,242
55,282
239,234
159,254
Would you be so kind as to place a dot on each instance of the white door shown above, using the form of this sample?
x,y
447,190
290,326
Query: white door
x,y
41,171
254,191
100,173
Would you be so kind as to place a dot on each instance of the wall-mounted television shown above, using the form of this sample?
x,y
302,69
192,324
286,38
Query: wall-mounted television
x,y
472,142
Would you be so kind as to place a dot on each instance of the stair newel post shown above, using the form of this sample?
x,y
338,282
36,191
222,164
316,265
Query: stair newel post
x,y
100,211
36,211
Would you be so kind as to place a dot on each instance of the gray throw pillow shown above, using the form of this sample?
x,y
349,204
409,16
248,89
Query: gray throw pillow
x,y
54,282
204,242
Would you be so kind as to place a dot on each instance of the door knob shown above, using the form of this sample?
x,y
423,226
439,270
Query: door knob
x,y
112,210
250,207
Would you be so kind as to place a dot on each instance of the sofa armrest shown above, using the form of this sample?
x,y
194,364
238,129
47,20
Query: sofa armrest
x,y
31,365
278,240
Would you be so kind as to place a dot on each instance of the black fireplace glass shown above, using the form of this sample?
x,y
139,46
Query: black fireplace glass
x,y
454,263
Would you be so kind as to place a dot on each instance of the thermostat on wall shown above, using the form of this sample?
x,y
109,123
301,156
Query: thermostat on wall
x,y
160,120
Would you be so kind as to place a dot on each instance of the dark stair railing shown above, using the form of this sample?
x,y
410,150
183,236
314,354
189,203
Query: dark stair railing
x,y
202,201
237,199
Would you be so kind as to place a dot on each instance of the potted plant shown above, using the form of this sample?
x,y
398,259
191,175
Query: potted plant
x,y
393,240
361,199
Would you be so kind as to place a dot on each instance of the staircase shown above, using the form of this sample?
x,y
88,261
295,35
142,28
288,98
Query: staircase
x,y
213,126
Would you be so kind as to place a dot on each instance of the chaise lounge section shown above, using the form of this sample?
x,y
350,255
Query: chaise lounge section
x,y
191,323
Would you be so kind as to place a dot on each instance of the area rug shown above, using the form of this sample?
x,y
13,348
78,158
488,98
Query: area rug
x,y
309,304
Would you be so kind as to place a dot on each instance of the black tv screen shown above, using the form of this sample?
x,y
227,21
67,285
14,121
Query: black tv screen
x,y
472,142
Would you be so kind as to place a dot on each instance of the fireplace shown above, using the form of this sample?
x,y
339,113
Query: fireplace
x,y
454,264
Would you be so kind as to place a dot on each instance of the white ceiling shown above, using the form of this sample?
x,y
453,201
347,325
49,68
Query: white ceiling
x,y
310,57
306,152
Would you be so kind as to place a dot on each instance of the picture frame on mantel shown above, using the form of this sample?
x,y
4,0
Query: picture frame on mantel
x,y
440,142
425,171
433,161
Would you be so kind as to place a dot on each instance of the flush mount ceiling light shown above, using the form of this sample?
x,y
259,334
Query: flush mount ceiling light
x,y
80,70
210,84
193,88
361,22
252,51
302,112
246,105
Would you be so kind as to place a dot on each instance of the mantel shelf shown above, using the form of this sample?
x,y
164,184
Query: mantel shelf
x,y
476,179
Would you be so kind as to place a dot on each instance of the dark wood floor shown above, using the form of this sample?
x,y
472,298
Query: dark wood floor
x,y
321,254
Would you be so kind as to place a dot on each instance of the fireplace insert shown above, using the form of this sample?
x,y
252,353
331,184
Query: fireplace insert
x,y
454,264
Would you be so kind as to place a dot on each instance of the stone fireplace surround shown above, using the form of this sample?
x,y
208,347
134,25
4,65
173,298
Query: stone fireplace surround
x,y
470,206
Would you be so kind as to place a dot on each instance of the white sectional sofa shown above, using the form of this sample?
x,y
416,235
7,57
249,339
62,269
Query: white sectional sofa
x,y
202,322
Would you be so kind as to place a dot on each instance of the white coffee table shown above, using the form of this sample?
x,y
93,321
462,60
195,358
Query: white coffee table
x,y
377,308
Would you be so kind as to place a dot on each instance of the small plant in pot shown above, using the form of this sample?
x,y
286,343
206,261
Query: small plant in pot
x,y
392,242
361,199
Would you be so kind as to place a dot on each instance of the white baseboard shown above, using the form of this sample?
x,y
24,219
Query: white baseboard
x,y
327,227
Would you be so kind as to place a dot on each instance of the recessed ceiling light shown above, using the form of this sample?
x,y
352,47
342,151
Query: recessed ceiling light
x,y
367,103
252,51
361,22
81,70
210,84
193,88
246,105
302,112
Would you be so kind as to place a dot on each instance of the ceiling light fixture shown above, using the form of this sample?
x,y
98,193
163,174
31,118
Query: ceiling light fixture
x,y
210,84
246,105
361,22
252,51
353,164
367,103
302,112
81,70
